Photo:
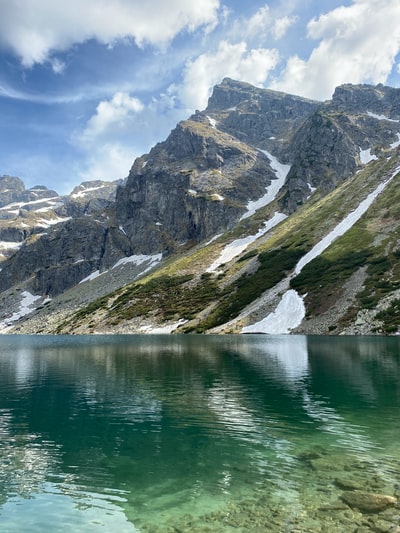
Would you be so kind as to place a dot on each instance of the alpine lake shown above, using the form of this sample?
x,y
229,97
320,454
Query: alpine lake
x,y
185,434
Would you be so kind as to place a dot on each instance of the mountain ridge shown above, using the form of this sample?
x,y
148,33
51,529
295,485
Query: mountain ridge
x,y
190,196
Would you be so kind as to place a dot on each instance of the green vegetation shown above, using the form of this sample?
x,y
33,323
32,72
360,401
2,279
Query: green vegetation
x,y
178,289
167,297
390,317
322,277
274,265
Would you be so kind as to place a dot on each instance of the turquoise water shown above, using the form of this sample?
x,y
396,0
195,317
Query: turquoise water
x,y
197,433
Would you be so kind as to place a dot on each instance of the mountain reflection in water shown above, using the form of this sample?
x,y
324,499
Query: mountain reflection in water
x,y
146,433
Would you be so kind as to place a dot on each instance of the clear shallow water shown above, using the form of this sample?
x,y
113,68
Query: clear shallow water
x,y
197,433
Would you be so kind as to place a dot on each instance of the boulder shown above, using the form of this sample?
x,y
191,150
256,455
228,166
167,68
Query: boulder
x,y
368,502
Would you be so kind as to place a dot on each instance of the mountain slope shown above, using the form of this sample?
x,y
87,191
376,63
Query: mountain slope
x,y
353,286
222,212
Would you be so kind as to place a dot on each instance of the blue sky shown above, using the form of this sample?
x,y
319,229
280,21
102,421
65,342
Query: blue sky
x,y
88,85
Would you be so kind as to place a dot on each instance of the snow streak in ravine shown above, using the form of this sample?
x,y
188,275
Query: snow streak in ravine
x,y
290,311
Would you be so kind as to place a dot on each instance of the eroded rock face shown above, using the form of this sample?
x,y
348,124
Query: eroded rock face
x,y
194,185
324,154
11,189
58,259
328,146
260,117
380,100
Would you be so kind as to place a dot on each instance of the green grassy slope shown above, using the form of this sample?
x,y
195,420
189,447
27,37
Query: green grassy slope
x,y
181,290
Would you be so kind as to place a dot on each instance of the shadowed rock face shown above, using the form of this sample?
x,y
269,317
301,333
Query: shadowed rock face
x,y
11,189
58,259
266,119
197,183
194,185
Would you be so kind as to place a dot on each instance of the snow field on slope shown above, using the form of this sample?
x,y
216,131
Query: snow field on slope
x,y
236,247
290,311
281,171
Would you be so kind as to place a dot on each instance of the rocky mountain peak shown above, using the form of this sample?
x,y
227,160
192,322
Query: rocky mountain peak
x,y
379,100
11,189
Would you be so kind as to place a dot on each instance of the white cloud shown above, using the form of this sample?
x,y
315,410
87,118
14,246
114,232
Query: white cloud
x,y
57,65
281,25
121,129
232,60
112,117
357,44
108,154
34,29
110,162
259,26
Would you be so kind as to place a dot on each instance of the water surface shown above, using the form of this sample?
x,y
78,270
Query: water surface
x,y
196,433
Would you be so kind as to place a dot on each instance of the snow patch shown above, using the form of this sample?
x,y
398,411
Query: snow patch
x,y
17,205
217,197
192,191
281,171
213,239
26,306
212,122
138,260
396,143
287,316
85,191
164,329
122,229
7,245
290,311
343,226
91,276
43,223
381,117
236,247
366,156
50,207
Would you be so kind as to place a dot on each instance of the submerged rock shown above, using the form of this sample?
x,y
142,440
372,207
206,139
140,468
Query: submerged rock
x,y
368,502
348,484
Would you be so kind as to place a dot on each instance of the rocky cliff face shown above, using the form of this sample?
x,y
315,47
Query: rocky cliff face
x,y
43,234
194,185
357,125
263,118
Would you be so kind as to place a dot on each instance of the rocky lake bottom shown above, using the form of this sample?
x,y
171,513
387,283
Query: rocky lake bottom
x,y
192,434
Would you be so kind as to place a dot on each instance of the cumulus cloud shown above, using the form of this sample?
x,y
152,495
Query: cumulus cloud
x,y
261,25
34,29
231,60
104,138
109,163
112,118
281,26
121,129
357,44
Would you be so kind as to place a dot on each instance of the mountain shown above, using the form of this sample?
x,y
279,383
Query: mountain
x,y
264,212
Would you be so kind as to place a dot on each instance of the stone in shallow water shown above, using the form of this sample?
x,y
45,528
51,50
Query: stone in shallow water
x,y
368,502
348,484
332,462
